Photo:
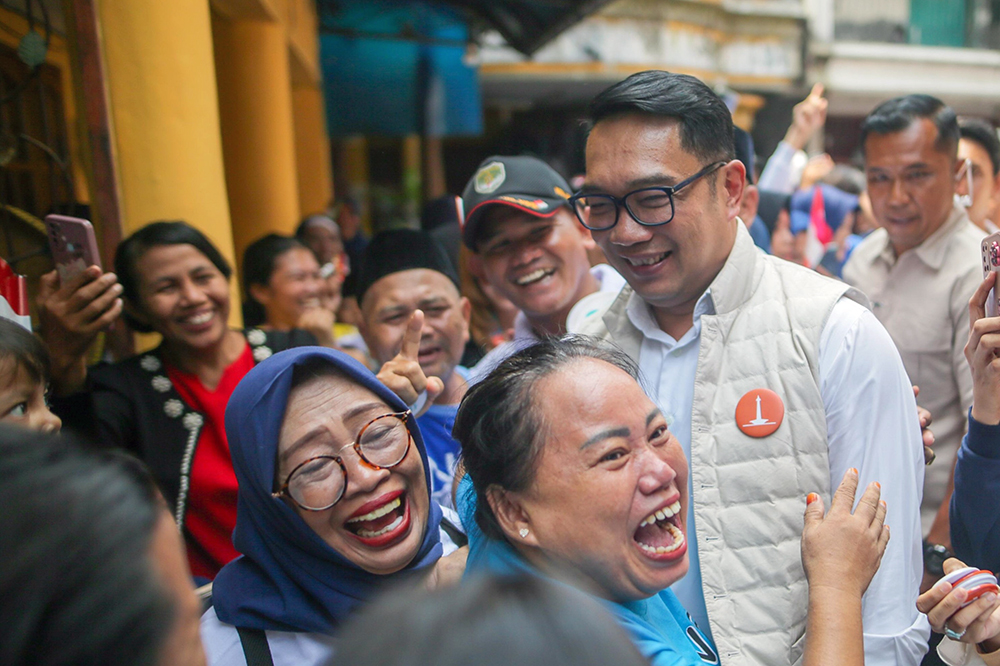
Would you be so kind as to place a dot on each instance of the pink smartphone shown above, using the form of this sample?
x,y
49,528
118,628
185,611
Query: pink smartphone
x,y
73,245
991,263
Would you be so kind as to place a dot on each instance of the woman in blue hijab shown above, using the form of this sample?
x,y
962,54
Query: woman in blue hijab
x,y
333,505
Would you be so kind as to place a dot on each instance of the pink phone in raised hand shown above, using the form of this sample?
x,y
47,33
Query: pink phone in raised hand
x,y
991,264
73,245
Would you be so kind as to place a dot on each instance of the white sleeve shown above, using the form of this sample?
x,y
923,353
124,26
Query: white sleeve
x,y
872,425
777,173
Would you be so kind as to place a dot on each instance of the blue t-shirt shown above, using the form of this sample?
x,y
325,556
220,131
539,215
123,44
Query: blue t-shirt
x,y
443,450
659,626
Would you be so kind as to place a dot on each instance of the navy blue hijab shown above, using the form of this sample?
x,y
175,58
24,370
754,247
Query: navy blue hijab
x,y
288,578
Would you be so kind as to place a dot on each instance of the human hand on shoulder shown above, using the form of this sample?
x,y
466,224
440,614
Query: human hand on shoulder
x,y
842,551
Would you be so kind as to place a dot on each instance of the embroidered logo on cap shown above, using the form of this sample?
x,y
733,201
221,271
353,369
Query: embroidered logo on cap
x,y
759,412
560,192
533,204
490,177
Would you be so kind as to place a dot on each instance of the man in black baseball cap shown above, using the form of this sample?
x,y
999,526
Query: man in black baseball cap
x,y
530,247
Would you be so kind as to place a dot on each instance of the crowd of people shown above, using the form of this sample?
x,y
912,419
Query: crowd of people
x,y
666,416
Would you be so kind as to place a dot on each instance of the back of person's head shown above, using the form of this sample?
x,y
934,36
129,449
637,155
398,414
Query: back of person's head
x,y
76,580
489,621
19,348
896,115
706,125
259,261
129,254
985,135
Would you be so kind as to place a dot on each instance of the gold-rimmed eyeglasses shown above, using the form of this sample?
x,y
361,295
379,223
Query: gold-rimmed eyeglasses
x,y
318,483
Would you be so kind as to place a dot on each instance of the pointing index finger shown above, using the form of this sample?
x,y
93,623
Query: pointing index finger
x,y
817,90
411,338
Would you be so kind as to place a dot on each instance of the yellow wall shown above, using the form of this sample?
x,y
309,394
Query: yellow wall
x,y
312,150
165,117
258,137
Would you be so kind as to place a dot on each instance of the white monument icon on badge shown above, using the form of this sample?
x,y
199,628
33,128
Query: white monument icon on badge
x,y
760,420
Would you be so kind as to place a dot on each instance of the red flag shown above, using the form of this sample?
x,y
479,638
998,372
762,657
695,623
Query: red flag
x,y
817,215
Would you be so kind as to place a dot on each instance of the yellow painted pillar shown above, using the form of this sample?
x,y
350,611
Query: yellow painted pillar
x,y
165,118
312,150
258,136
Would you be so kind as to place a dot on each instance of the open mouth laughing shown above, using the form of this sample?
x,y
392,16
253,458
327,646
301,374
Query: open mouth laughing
x,y
534,277
660,535
382,521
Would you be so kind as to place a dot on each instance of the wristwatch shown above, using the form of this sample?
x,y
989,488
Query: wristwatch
x,y
934,556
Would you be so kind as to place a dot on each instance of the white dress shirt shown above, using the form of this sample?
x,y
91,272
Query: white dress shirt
x,y
871,425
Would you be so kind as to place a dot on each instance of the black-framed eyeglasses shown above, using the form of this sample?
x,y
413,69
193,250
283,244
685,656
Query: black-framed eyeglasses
x,y
649,206
318,483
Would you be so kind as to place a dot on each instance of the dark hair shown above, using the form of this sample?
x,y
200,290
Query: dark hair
x,y
489,620
705,121
25,349
259,260
498,425
154,234
76,575
895,115
985,135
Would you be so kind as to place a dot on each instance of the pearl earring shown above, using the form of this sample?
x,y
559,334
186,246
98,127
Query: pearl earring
x,y
523,532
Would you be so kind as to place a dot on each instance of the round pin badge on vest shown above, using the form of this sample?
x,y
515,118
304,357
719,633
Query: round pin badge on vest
x,y
977,581
759,412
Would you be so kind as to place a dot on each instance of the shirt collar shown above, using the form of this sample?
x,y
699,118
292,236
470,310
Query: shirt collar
x,y
641,316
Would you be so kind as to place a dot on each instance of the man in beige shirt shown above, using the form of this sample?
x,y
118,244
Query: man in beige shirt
x,y
919,270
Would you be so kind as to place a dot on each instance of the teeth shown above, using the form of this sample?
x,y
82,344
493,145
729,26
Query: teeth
x,y
662,514
533,276
648,262
377,513
385,530
199,318
678,542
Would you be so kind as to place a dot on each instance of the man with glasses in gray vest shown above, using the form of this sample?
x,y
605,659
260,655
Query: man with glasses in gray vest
x,y
777,381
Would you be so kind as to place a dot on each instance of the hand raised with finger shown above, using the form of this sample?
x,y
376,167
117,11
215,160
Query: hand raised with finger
x,y
403,374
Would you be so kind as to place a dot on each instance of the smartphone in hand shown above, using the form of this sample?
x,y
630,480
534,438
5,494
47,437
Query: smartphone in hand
x,y
73,245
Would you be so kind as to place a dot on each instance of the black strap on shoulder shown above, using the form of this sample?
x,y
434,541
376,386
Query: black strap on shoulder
x,y
255,647
457,536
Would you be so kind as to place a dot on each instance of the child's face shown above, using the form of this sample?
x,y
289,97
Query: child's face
x,y
22,399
